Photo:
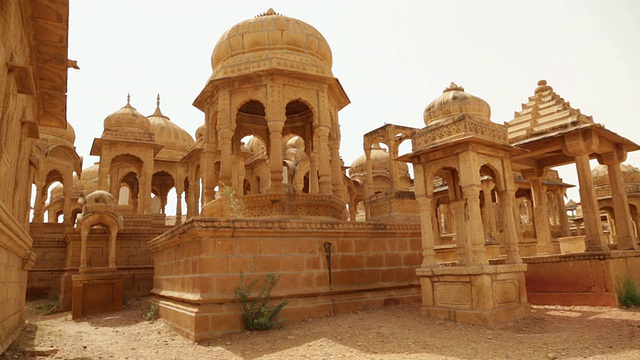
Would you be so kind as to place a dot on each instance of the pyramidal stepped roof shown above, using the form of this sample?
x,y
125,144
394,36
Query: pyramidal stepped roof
x,y
545,113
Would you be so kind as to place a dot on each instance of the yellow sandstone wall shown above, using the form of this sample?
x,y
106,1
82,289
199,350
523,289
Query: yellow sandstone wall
x,y
133,259
15,242
197,268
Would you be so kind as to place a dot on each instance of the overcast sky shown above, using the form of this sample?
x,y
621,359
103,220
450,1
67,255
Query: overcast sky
x,y
392,58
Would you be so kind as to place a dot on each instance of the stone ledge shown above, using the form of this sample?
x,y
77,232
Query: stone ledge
x,y
173,237
471,270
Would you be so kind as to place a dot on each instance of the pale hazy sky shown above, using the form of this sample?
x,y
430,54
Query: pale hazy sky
x,y
392,58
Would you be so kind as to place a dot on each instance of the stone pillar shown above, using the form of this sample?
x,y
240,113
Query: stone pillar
x,y
224,140
240,173
510,213
625,236
336,170
179,207
113,235
489,210
595,240
38,206
463,244
368,188
469,217
393,165
475,238
103,171
368,181
540,210
67,191
84,235
313,172
564,218
144,195
190,196
275,155
209,173
324,167
424,196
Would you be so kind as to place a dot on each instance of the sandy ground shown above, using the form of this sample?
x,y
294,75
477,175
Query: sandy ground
x,y
397,332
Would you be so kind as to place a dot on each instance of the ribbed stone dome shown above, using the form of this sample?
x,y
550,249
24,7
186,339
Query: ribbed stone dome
x,y
67,134
379,162
630,174
271,40
453,102
90,173
126,121
201,132
175,139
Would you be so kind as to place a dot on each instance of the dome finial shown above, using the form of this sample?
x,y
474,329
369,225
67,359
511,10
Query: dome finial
x,y
269,12
453,87
158,112
128,101
542,86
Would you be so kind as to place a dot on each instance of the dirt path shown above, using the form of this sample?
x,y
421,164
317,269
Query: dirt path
x,y
388,333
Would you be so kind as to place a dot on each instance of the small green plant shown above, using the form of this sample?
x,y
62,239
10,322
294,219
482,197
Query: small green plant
x,y
152,313
236,205
627,291
258,314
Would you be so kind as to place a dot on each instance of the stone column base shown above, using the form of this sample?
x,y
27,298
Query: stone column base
x,y
487,295
545,249
95,293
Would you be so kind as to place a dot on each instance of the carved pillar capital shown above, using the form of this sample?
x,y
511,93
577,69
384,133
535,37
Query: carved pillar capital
x,y
615,157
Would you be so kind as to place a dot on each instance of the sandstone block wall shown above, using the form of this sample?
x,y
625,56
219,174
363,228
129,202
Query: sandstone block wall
x,y
18,105
580,279
13,280
134,260
43,280
197,268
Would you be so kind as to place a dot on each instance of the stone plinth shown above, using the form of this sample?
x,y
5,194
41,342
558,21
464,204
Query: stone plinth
x,y
487,295
583,279
197,267
277,206
95,292
571,245
395,206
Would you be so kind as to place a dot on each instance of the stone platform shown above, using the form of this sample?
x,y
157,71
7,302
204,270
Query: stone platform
x,y
488,295
580,279
96,292
197,267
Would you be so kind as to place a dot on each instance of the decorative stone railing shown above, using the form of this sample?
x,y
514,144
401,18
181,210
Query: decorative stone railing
x,y
276,206
394,206
605,190
458,128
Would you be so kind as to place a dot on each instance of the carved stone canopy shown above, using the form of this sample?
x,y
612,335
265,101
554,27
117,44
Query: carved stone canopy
x,y
453,102
271,40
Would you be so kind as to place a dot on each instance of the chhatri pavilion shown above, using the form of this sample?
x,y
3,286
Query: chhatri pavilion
x,y
472,222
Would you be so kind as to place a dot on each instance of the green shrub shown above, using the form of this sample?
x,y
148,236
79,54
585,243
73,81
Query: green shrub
x,y
152,313
257,313
627,291
236,205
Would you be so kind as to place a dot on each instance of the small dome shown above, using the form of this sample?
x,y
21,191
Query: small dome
x,y
256,145
271,40
90,173
453,102
56,192
127,120
67,134
201,132
379,162
174,138
630,174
